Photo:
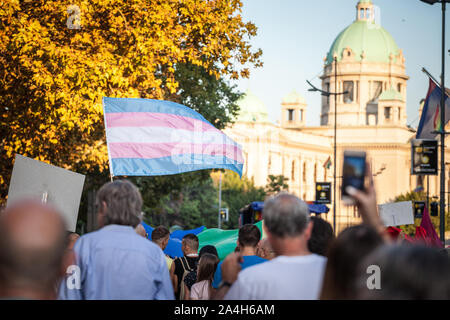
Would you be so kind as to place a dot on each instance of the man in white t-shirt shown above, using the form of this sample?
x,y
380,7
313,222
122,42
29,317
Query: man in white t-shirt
x,y
295,274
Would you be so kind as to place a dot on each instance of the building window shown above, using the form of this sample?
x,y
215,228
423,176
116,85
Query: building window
x,y
387,113
348,86
361,13
368,14
377,88
315,172
357,91
399,87
301,115
290,114
293,171
399,113
304,172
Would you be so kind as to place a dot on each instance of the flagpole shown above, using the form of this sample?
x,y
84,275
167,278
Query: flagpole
x,y
430,76
335,93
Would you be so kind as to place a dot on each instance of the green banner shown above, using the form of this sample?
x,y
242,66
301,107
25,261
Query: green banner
x,y
223,240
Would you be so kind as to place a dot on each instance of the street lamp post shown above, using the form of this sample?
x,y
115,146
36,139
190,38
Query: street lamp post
x,y
442,132
327,94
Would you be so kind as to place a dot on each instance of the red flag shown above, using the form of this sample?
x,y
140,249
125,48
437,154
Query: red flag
x,y
427,232
393,232
421,236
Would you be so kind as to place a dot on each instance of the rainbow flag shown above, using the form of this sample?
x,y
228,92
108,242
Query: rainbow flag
x,y
430,119
437,119
148,137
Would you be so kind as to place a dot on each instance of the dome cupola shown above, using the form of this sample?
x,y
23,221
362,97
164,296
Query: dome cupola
x,y
365,40
252,109
293,110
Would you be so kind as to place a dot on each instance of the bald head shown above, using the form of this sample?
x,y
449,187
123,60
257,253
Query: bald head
x,y
32,246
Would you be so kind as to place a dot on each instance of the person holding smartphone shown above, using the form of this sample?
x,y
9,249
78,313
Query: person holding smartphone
x,y
359,190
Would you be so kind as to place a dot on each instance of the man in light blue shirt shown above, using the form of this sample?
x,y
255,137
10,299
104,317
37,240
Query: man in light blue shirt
x,y
115,262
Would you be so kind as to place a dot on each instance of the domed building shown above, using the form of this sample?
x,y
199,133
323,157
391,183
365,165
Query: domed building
x,y
252,109
371,116
368,62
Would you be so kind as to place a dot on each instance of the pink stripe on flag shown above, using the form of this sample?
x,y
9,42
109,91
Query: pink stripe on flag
x,y
154,119
160,150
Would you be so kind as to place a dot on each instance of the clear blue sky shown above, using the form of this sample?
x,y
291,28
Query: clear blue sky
x,y
295,36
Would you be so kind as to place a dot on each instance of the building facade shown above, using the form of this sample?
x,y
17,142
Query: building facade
x,y
371,117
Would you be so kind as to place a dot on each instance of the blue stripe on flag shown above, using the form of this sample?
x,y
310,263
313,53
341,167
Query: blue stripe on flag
x,y
113,105
172,165
426,119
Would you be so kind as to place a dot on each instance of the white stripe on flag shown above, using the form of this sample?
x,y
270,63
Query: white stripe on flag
x,y
166,135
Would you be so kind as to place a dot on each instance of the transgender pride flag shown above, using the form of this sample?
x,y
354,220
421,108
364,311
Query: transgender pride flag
x,y
148,137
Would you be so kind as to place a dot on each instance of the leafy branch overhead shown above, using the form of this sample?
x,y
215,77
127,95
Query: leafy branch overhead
x,y
52,77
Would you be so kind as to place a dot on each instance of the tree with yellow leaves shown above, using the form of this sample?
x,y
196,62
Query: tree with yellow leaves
x,y
59,58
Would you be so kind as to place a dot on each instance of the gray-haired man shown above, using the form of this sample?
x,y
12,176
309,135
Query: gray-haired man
x,y
115,262
295,273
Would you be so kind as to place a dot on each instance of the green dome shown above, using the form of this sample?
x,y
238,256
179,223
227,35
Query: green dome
x,y
390,94
364,36
252,109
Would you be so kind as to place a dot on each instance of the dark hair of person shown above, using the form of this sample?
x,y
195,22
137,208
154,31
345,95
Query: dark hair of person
x,y
321,236
191,241
344,256
249,235
407,273
160,233
206,268
208,249
123,203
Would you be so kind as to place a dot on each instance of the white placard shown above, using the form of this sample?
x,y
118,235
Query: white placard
x,y
33,179
396,213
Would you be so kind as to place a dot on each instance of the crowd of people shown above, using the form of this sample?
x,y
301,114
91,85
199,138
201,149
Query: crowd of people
x,y
299,259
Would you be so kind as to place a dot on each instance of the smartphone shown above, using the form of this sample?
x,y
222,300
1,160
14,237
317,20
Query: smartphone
x,y
354,172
